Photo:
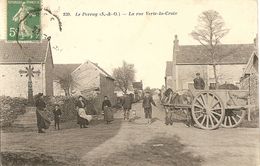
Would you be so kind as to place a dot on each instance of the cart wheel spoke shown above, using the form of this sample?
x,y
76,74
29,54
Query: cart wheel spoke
x,y
201,103
196,105
216,113
214,105
207,122
203,100
211,120
234,119
229,120
214,118
199,111
225,120
200,116
203,119
212,99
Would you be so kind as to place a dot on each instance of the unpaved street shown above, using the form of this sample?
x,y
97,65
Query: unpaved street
x,y
136,143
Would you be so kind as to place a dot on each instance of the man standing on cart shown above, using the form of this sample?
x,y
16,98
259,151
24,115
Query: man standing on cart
x,y
199,82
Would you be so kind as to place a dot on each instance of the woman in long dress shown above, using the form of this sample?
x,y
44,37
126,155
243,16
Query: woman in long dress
x,y
108,113
83,118
42,120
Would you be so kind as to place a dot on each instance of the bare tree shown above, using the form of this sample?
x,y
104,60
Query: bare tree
x,y
124,76
65,82
209,31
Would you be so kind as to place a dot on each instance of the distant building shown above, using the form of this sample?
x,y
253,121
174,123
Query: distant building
x,y
14,58
138,85
89,80
138,90
191,59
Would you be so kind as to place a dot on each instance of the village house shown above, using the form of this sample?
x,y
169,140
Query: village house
x,y
89,80
14,62
249,79
191,59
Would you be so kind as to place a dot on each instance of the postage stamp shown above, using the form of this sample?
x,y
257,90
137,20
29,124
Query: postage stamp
x,y
23,20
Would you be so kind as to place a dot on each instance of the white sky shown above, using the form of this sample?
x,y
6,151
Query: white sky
x,y
145,41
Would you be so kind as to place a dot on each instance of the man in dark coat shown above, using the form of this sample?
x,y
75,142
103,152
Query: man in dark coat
x,y
127,106
199,82
147,105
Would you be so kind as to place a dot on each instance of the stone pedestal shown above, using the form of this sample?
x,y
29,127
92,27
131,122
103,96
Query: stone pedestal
x,y
28,119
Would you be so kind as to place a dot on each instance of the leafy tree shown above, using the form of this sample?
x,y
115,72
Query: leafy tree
x,y
209,31
124,76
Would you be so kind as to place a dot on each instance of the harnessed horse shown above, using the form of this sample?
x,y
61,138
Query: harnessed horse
x,y
172,101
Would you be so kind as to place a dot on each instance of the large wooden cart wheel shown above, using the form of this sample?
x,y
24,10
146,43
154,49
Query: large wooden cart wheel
x,y
233,117
208,110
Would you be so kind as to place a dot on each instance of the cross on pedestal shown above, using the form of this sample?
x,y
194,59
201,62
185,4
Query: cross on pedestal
x,y
29,71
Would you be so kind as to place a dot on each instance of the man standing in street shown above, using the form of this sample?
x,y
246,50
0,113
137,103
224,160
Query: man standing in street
x,y
199,82
127,106
147,105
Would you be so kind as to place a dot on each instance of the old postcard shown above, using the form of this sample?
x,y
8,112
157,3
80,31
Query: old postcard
x,y
129,83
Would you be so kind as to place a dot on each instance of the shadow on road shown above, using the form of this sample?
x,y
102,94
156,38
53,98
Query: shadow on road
x,y
159,151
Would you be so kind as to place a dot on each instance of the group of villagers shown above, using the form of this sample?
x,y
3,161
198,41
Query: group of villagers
x,y
83,118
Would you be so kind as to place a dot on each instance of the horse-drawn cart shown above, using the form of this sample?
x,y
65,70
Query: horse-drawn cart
x,y
213,108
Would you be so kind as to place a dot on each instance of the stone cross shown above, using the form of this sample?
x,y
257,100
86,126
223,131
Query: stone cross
x,y
29,71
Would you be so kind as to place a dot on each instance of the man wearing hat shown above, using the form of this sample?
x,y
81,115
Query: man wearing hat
x,y
199,82
147,105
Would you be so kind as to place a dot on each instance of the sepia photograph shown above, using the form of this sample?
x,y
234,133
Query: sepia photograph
x,y
129,83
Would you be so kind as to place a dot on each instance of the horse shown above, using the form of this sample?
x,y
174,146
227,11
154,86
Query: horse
x,y
173,98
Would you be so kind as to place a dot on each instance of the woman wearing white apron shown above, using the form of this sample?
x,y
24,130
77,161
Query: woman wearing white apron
x,y
83,118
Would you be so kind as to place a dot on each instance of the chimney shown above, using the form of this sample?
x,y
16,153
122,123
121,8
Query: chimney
x,y
174,62
176,43
256,41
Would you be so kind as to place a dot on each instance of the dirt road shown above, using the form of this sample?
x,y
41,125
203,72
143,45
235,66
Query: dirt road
x,y
136,143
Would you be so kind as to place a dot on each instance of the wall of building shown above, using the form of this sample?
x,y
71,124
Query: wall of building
x,y
226,73
14,85
85,77
57,90
107,88
186,74
49,75
251,83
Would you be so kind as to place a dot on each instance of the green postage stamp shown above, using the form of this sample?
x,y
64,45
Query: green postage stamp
x,y
23,20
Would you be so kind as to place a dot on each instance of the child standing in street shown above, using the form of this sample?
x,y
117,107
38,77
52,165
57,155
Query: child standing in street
x,y
57,115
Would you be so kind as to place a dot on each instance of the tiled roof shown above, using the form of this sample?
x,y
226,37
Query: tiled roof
x,y
13,53
169,67
225,54
61,70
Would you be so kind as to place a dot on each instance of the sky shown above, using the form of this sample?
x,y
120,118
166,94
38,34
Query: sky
x,y
145,41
